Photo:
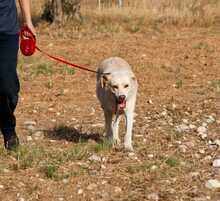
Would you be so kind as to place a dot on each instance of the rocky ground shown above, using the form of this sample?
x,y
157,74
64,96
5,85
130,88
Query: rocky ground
x,y
177,124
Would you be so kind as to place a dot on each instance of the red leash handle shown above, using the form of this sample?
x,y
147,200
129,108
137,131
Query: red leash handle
x,y
27,41
28,47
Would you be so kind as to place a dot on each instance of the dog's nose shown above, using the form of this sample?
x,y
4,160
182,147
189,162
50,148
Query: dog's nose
x,y
121,98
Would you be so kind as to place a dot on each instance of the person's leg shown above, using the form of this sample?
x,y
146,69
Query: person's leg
x,y
9,88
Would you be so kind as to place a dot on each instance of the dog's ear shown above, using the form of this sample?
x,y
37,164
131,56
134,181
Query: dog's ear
x,y
105,79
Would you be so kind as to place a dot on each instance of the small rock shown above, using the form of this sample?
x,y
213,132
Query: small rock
x,y
95,158
28,123
131,154
61,199
29,138
20,199
154,167
65,181
182,128
212,184
203,135
210,119
183,148
192,126
208,158
201,151
1,186
31,128
217,142
150,101
200,199
202,130
98,125
38,135
103,166
153,196
118,189
194,174
104,182
150,156
5,170
204,124
216,163
80,191
91,186
185,121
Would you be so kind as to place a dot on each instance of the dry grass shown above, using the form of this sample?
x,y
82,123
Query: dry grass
x,y
137,15
172,12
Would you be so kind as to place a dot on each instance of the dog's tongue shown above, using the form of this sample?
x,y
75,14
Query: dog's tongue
x,y
122,105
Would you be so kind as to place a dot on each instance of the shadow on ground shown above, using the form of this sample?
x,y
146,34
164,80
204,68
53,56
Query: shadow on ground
x,y
72,134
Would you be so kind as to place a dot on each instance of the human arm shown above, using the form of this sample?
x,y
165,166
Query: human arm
x,y
26,14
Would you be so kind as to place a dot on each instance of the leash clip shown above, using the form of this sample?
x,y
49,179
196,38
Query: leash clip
x,y
27,41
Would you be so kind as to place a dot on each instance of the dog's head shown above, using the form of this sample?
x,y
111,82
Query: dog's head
x,y
119,84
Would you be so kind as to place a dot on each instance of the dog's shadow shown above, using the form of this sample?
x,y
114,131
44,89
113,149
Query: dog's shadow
x,y
72,134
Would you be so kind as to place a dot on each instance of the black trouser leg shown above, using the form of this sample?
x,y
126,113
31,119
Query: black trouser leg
x,y
9,83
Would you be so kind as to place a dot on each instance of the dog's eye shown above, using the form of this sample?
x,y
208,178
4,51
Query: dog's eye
x,y
126,86
115,87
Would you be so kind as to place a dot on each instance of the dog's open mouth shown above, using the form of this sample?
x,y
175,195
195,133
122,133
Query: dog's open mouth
x,y
121,102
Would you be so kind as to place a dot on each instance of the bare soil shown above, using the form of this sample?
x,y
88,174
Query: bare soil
x,y
179,82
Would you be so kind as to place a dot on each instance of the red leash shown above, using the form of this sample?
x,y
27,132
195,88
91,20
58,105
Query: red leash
x,y
28,47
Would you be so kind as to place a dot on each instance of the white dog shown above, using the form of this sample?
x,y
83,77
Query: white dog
x,y
116,90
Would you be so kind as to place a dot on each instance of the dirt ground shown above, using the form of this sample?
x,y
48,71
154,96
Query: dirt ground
x,y
60,123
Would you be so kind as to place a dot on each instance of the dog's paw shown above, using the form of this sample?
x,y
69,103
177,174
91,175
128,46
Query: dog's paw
x,y
129,148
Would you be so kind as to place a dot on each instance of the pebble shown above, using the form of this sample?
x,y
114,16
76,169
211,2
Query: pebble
x,y
104,182
38,135
91,186
200,199
182,128
29,138
65,181
95,158
103,166
154,167
27,123
212,184
1,186
203,135
31,128
216,163
118,189
61,199
217,142
20,199
202,130
192,126
194,174
201,151
183,148
153,196
210,119
80,191
131,154
150,155
185,121
5,170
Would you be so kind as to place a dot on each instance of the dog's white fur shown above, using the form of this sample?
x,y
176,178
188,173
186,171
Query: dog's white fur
x,y
115,78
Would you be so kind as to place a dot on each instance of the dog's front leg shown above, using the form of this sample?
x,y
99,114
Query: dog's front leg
x,y
115,126
129,126
108,124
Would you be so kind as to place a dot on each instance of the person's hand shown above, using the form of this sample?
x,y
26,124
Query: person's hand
x,y
31,27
